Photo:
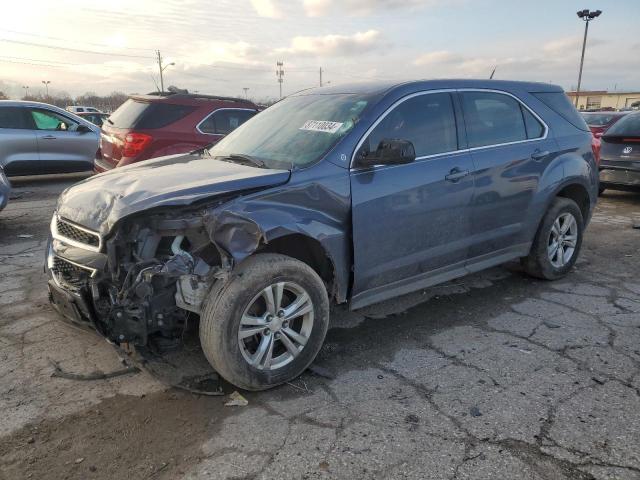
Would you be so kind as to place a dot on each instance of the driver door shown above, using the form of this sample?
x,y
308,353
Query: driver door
x,y
61,147
411,222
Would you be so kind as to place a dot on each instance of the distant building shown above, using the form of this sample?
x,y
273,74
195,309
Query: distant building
x,y
599,99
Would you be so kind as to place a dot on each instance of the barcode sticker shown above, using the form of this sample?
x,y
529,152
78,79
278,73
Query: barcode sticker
x,y
321,126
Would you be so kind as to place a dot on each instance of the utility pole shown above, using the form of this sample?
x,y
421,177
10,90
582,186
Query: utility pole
x,y
162,69
26,90
246,89
587,16
46,85
280,74
320,76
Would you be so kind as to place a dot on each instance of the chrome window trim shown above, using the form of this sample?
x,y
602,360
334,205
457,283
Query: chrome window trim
x,y
451,90
74,243
219,110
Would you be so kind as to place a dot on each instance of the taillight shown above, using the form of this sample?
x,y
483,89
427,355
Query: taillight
x,y
595,147
135,143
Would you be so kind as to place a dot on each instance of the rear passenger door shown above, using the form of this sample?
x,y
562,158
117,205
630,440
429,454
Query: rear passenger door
x,y
510,150
18,144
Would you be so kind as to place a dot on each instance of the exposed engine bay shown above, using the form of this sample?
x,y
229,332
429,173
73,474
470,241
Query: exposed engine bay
x,y
143,280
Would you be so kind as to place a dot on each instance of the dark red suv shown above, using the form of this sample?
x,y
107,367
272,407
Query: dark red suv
x,y
149,126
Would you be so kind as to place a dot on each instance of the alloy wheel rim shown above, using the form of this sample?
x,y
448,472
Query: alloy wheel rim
x,y
563,239
276,326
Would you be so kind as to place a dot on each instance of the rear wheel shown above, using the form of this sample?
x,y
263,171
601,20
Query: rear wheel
x,y
601,190
557,242
266,323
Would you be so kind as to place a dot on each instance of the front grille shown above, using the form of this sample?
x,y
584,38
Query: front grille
x,y
71,232
69,274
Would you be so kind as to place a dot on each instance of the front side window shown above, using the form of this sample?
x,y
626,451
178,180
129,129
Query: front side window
x,y
47,120
492,119
427,121
224,121
12,117
296,131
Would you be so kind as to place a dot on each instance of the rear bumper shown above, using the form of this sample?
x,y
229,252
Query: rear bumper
x,y
619,176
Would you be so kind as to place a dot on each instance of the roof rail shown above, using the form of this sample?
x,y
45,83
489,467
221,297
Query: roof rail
x,y
194,96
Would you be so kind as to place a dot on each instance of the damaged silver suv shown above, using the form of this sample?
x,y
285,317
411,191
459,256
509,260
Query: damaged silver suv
x,y
345,194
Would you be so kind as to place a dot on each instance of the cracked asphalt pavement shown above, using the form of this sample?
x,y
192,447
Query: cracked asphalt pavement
x,y
496,375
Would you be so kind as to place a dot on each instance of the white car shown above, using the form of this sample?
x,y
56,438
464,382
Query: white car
x,y
81,109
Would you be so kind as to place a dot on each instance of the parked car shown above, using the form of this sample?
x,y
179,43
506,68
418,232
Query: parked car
x,y
149,126
82,109
37,138
599,121
620,152
5,189
95,118
330,195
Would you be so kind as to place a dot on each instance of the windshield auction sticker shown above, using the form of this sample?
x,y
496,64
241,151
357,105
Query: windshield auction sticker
x,y
321,126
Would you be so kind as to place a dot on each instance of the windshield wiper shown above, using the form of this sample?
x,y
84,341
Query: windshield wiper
x,y
244,159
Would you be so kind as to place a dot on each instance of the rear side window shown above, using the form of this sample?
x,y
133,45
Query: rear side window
x,y
224,121
427,121
560,103
13,117
492,119
629,126
147,115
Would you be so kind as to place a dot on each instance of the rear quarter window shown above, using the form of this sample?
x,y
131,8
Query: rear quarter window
x,y
224,121
560,103
147,115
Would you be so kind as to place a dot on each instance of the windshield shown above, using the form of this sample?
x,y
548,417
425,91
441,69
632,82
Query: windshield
x,y
296,131
628,126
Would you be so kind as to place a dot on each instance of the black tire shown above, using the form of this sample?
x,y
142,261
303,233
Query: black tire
x,y
223,309
537,263
601,190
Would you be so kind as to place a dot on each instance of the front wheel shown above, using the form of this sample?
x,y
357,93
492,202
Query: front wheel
x,y
266,323
557,242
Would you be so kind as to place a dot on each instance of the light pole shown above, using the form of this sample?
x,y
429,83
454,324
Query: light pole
x,y
26,90
246,89
587,16
46,85
162,69
280,74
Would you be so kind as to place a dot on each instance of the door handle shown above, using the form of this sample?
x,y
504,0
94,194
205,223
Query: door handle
x,y
456,174
48,137
538,154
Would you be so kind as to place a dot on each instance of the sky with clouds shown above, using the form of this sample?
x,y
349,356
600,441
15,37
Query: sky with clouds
x,y
222,46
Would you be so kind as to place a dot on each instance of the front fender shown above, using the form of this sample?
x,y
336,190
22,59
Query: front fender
x,y
313,210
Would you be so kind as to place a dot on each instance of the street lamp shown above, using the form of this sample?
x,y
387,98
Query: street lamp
x,y
246,89
46,85
162,69
26,90
587,16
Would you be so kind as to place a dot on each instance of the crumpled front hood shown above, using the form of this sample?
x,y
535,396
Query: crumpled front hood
x,y
100,201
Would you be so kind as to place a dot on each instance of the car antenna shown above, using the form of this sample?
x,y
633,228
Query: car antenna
x,y
493,73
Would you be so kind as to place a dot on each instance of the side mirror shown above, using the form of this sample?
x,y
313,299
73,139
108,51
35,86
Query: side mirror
x,y
389,152
83,129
